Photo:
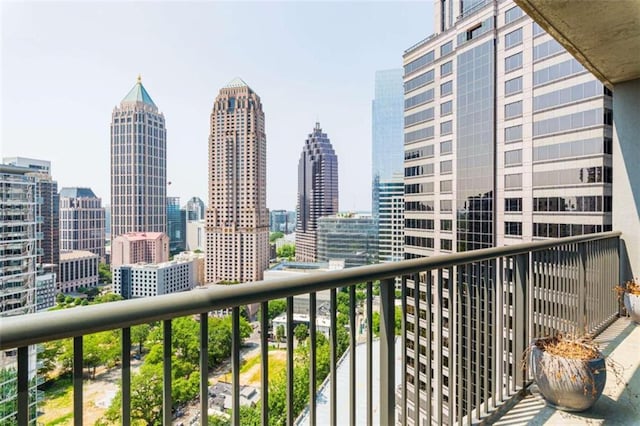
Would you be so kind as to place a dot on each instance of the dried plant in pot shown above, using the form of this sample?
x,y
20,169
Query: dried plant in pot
x,y
570,373
630,293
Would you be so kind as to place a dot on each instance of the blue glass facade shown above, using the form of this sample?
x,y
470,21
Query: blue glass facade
x,y
387,130
176,225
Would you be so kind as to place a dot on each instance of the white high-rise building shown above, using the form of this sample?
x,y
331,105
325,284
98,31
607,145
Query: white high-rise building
x,y
82,221
507,139
138,165
237,218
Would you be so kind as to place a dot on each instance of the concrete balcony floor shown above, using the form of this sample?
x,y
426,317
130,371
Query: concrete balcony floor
x,y
620,401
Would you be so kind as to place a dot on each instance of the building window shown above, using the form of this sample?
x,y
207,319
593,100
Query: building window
x,y
513,133
512,14
446,48
419,99
419,81
446,88
513,86
445,186
446,147
537,29
446,108
446,68
513,62
512,110
513,158
513,38
446,224
446,166
513,204
446,244
513,181
446,128
546,49
419,63
445,205
513,228
568,122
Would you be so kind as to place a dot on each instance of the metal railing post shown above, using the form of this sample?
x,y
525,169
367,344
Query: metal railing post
x,y
166,372
581,324
23,385
520,282
387,352
126,376
204,369
235,365
77,380
264,362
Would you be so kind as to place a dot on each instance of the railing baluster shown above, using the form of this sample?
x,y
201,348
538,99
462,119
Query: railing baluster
x,y
403,407
467,324
369,323
166,372
290,395
429,308
417,285
77,380
352,354
264,362
235,365
126,376
312,359
500,311
486,282
333,338
23,385
204,368
439,345
520,308
387,352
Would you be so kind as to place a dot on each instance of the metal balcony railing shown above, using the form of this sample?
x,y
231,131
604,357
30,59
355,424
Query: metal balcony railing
x,y
467,320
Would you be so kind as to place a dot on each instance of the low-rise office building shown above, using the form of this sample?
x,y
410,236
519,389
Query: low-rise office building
x,y
139,247
143,280
77,269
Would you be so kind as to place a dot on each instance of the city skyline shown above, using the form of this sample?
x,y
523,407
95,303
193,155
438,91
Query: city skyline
x,y
43,66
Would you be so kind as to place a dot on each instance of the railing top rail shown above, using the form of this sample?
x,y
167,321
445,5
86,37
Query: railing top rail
x,y
41,327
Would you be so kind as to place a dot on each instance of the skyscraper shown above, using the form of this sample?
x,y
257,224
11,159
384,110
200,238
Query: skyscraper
x,y
388,194
507,139
18,267
317,192
47,208
237,217
138,165
82,221
176,225
195,209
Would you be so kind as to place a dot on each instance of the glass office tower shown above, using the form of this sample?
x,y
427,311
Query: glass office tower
x,y
386,160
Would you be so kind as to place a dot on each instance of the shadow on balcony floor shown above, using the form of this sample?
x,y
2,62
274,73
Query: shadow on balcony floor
x,y
620,401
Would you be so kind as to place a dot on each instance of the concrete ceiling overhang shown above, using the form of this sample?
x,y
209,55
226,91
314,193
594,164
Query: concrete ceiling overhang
x,y
604,35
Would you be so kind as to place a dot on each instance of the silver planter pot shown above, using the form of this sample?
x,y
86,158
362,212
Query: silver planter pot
x,y
632,305
568,384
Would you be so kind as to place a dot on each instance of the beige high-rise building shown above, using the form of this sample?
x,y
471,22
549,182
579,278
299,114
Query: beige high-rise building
x,y
237,218
139,247
138,165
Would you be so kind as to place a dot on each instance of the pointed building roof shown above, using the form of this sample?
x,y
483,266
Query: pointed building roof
x,y
236,82
139,94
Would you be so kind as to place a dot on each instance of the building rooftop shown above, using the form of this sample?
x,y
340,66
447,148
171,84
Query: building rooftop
x,y
236,82
76,254
140,236
139,94
77,193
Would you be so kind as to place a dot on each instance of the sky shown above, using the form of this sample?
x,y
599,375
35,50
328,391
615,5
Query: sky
x,y
66,65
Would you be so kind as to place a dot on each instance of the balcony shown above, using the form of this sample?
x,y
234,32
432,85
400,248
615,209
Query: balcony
x,y
485,305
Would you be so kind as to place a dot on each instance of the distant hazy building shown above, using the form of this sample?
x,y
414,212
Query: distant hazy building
x,y
78,269
196,235
195,208
237,217
144,280
138,165
348,237
387,163
282,221
176,225
317,192
139,247
82,221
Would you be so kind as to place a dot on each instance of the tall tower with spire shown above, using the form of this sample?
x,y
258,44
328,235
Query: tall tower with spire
x,y
138,165
317,191
237,220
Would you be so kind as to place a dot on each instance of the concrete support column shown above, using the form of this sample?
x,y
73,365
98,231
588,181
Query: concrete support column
x,y
626,175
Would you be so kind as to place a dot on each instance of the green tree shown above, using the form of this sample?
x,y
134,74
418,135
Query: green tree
x,y
275,236
286,251
107,298
279,333
146,397
275,308
301,332
139,334
104,271
49,356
